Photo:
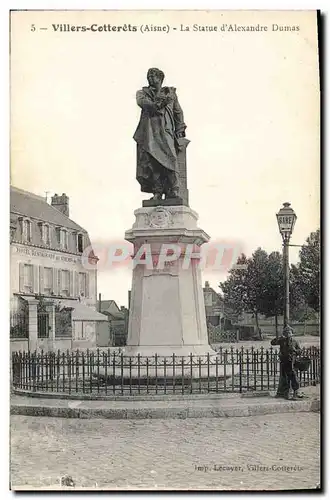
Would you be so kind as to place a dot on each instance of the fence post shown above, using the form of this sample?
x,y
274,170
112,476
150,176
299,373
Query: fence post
x,y
15,368
33,325
50,308
241,361
122,373
68,357
34,370
156,372
232,369
262,367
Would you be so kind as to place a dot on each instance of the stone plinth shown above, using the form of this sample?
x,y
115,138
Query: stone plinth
x,y
167,313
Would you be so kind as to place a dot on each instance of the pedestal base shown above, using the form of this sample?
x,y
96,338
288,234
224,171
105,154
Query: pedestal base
x,y
163,203
168,351
162,370
167,312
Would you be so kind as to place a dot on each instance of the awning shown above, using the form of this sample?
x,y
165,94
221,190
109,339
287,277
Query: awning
x,y
83,313
80,312
27,298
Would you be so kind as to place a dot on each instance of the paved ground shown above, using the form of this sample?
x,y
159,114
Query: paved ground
x,y
263,452
178,406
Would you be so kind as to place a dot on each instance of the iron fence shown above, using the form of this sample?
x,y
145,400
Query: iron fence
x,y
108,373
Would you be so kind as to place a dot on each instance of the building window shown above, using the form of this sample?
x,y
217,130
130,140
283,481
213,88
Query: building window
x,y
45,233
28,278
65,282
26,230
82,284
58,235
80,243
48,280
62,237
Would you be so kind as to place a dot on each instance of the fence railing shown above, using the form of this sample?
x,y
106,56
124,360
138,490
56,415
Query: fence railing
x,y
108,373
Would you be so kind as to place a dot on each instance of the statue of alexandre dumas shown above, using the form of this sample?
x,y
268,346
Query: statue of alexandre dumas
x,y
158,137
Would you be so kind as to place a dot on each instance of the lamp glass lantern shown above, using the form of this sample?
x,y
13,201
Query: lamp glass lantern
x,y
286,219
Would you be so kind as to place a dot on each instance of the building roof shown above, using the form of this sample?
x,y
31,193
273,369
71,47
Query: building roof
x,y
34,206
81,312
106,304
110,308
112,316
217,299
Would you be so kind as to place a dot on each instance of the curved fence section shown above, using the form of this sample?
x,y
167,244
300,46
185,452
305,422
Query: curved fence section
x,y
108,373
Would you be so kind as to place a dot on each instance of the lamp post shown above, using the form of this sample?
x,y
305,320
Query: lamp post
x,y
286,219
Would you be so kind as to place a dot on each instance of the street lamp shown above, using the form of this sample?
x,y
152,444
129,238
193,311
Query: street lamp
x,y
286,219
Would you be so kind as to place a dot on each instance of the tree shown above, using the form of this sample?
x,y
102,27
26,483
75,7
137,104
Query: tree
x,y
234,290
244,290
272,305
308,271
300,311
256,284
259,288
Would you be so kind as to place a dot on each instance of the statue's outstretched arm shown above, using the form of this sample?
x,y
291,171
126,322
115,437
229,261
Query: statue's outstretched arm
x,y
145,102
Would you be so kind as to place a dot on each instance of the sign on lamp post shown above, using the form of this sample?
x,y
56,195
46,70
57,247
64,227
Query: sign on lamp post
x,y
286,219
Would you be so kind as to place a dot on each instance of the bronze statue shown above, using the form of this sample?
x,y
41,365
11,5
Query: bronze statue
x,y
159,138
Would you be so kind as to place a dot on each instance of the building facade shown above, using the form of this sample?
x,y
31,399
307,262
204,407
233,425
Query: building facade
x,y
118,322
214,307
53,278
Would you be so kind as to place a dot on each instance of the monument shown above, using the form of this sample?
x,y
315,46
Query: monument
x,y
167,313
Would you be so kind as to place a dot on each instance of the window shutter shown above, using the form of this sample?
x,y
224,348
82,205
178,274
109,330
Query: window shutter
x,y
59,281
21,276
52,288
35,279
24,230
76,284
41,279
55,287
87,286
71,283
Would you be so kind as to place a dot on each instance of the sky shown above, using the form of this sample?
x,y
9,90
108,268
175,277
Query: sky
x,y
250,101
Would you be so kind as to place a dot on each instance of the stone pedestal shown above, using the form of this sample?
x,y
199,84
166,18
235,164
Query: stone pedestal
x,y
167,313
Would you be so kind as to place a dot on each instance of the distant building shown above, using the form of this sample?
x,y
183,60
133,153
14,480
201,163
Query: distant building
x,y
214,308
53,294
118,322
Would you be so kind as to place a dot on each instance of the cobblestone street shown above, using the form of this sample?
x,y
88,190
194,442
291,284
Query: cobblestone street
x,y
278,451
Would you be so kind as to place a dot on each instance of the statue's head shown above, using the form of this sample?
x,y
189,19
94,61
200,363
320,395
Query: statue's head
x,y
155,77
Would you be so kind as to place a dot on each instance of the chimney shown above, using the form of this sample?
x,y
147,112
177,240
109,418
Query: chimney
x,y
61,203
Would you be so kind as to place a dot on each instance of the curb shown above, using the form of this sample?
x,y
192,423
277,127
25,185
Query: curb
x,y
221,410
136,397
